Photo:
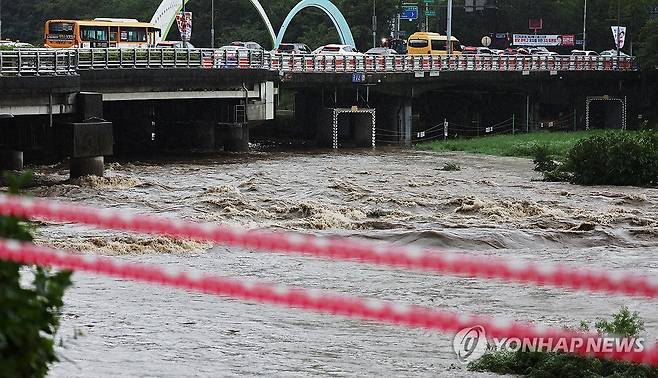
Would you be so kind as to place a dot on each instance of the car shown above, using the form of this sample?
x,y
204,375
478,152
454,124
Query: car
x,y
381,51
293,48
335,49
613,53
516,51
541,51
497,51
470,50
15,45
584,53
247,45
173,45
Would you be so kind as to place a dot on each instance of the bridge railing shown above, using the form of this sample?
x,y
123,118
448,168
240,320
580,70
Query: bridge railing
x,y
70,61
430,63
34,62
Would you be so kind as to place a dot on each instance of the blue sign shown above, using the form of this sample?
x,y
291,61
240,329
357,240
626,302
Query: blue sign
x,y
409,13
358,78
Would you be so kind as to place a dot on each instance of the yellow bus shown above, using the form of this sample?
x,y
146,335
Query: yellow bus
x,y
424,43
100,33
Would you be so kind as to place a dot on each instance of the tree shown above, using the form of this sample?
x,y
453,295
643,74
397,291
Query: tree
x,y
29,316
648,53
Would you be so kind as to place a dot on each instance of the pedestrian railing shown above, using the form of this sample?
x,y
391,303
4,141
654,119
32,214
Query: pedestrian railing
x,y
70,61
34,62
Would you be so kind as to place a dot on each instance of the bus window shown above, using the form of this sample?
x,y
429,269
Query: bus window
x,y
417,43
133,35
438,45
60,31
93,33
114,34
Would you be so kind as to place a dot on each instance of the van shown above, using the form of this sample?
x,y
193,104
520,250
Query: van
x,y
423,43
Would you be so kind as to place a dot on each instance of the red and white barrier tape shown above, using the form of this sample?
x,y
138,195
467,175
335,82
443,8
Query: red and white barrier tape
x,y
311,300
627,283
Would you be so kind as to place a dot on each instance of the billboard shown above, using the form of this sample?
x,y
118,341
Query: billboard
x,y
544,40
184,21
619,34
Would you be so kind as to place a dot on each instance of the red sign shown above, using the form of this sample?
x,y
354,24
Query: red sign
x,y
536,24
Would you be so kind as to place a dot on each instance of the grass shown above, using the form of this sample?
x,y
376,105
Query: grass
x,y
519,145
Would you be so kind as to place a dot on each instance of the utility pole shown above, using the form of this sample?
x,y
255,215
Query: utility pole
x,y
585,27
0,19
182,37
618,29
374,23
212,24
449,34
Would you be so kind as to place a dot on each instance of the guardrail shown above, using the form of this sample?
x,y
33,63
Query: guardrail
x,y
35,62
58,62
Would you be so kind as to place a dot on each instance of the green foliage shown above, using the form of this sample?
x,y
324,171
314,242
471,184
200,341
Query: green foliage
x,y
451,167
29,317
541,364
519,145
615,158
648,54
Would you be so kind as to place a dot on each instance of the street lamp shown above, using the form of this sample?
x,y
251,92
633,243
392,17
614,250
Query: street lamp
x,y
374,23
183,32
212,24
618,28
585,27
449,32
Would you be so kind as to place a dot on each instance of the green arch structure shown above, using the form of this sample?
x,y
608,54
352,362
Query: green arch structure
x,y
165,16
339,21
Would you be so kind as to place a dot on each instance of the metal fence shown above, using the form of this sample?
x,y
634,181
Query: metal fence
x,y
34,62
70,61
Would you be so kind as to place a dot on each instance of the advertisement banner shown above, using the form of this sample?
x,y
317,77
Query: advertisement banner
x,y
544,40
619,34
184,21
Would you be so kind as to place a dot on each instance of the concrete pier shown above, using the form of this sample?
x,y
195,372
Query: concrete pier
x,y
235,137
92,166
11,160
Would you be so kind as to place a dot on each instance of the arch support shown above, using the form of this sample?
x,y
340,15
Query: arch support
x,y
337,18
165,16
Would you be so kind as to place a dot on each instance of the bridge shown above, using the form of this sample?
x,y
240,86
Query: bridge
x,y
89,103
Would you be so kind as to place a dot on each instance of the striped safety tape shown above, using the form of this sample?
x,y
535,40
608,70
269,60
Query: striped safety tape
x,y
311,300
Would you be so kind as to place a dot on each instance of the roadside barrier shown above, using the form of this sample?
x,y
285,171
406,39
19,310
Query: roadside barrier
x,y
333,248
312,300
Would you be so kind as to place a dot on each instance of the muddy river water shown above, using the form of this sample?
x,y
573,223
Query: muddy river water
x,y
493,207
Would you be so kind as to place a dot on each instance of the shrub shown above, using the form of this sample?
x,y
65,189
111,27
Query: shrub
x,y
451,167
542,364
29,316
617,158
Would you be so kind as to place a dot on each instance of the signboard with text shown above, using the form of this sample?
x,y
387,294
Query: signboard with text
x,y
409,12
544,40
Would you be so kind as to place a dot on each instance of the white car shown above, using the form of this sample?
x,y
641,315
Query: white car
x,y
584,53
541,51
613,53
337,50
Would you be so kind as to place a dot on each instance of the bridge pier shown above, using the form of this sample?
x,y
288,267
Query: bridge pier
x,y
91,166
11,160
395,120
90,140
235,137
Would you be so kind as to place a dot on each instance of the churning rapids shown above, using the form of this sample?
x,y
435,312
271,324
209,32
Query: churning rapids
x,y
493,207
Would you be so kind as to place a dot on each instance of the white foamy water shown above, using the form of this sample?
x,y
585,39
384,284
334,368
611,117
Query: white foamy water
x,y
492,207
